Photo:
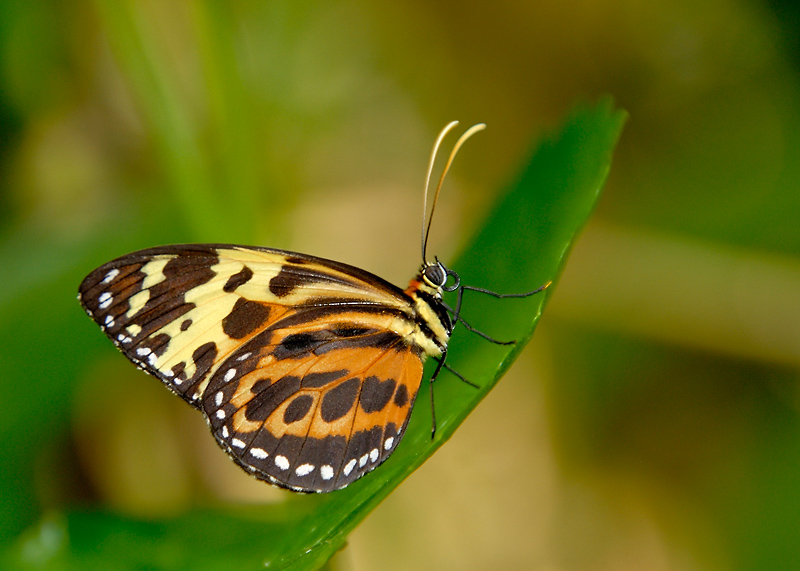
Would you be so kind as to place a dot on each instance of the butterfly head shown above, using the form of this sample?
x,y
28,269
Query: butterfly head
x,y
435,276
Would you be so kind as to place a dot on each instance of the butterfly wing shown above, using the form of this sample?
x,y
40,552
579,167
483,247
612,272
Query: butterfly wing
x,y
316,409
254,337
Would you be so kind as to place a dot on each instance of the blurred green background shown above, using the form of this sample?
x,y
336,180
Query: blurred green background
x,y
652,423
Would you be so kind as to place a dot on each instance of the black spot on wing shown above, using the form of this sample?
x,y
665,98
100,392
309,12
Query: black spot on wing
x,y
260,385
376,394
379,340
299,345
286,281
298,409
349,330
337,402
293,276
245,317
316,380
401,396
238,279
265,402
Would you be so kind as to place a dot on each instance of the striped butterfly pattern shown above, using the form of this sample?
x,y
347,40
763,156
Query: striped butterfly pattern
x,y
305,369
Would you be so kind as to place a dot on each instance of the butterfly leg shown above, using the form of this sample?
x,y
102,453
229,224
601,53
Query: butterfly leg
x,y
460,376
439,365
457,312
504,295
482,334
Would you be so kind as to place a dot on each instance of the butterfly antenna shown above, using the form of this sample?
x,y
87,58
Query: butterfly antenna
x,y
426,227
449,127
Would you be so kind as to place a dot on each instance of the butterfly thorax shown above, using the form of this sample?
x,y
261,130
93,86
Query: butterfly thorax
x,y
432,323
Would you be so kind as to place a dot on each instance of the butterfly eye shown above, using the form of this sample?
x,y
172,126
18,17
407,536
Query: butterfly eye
x,y
435,274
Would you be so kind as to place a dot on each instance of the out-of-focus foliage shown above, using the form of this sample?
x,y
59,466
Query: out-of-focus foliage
x,y
654,424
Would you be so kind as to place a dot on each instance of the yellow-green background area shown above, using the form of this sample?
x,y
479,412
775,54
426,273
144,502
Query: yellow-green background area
x,y
652,424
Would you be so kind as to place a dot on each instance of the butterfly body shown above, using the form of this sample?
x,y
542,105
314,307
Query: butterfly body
x,y
306,369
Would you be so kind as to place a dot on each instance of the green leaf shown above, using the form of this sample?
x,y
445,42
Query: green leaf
x,y
523,244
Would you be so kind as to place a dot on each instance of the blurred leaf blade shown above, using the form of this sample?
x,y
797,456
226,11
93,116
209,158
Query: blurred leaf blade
x,y
528,238
186,166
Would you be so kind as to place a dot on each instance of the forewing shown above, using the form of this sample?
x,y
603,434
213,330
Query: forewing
x,y
316,409
178,312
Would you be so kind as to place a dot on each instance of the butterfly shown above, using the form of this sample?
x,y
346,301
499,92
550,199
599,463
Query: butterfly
x,y
305,369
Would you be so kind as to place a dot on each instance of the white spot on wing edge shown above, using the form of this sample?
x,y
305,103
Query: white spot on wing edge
x,y
109,321
220,414
363,461
225,431
388,443
282,462
237,443
218,398
259,453
304,469
104,300
326,472
349,467
230,373
373,455
112,273
244,357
